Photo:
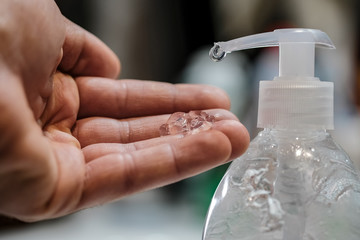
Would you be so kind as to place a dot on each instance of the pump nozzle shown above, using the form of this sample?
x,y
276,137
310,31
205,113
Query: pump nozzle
x,y
296,45
295,99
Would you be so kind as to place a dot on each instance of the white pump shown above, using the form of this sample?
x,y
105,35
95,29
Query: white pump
x,y
295,99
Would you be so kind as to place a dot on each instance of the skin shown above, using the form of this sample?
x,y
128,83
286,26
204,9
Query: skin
x,y
73,137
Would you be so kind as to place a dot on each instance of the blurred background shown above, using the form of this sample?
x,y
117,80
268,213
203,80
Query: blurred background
x,y
169,41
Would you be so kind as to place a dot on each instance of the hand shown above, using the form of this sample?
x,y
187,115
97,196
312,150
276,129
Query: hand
x,y
70,142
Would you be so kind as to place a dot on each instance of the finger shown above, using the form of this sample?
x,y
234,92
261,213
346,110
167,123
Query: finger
x,y
86,55
134,98
116,175
237,133
234,130
106,130
98,150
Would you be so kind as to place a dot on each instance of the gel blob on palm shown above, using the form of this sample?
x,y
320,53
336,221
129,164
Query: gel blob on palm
x,y
294,182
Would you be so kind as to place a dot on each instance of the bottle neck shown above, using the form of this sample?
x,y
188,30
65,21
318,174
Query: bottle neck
x,y
297,134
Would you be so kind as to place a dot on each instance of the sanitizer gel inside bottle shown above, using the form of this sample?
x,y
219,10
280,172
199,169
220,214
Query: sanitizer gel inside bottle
x,y
294,182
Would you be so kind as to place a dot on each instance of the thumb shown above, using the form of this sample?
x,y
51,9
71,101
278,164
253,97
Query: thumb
x,y
86,55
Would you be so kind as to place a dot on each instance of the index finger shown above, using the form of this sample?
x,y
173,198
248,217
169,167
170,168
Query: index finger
x,y
135,98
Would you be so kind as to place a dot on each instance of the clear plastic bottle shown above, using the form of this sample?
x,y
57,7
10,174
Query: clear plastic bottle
x,y
288,185
294,182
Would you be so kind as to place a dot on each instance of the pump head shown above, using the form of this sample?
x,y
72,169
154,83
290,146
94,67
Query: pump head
x,y
296,46
295,99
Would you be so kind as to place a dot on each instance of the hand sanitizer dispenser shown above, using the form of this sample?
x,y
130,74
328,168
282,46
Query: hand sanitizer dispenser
x,y
294,182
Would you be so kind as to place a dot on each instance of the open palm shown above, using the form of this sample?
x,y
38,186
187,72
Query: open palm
x,y
94,139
